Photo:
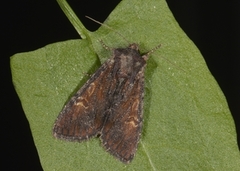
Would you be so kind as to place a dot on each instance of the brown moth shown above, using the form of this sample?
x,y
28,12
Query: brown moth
x,y
109,104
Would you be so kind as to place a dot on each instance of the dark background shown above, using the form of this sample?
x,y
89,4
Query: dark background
x,y
27,25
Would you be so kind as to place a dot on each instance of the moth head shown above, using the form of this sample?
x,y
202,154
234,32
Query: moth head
x,y
134,46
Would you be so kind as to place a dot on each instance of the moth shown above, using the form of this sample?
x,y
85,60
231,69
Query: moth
x,y
109,105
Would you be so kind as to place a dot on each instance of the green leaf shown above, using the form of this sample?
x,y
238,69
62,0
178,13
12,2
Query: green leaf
x,y
187,123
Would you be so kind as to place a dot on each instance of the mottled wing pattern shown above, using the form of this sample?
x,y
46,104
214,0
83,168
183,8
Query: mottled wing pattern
x,y
121,132
83,116
109,104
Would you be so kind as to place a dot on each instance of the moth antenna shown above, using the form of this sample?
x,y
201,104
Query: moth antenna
x,y
108,28
173,64
151,51
146,56
105,46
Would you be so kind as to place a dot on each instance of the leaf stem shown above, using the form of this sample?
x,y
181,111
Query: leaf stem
x,y
77,24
